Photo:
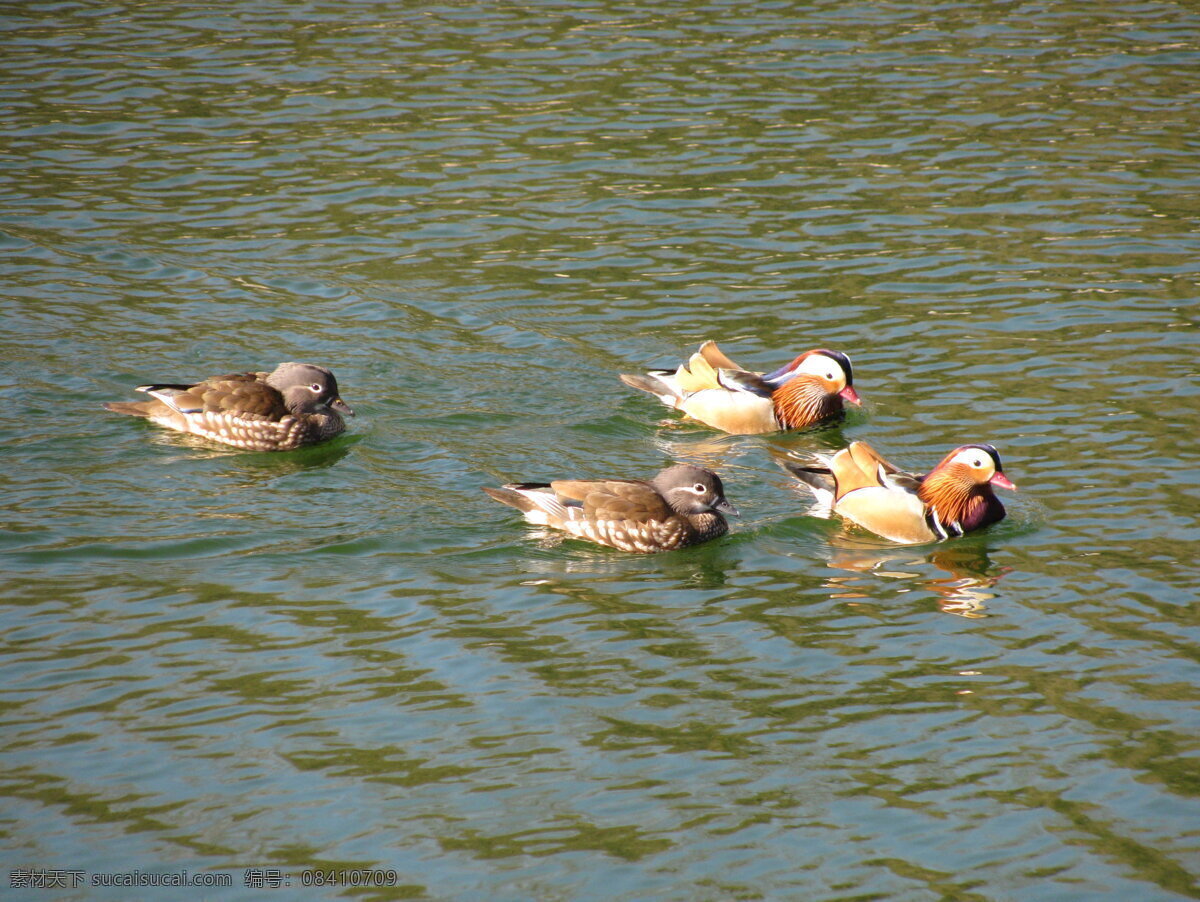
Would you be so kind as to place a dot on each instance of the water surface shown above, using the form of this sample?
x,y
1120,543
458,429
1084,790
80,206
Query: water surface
x,y
477,216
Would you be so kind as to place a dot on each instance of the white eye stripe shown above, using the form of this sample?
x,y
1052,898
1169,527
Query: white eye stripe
x,y
970,458
822,367
698,488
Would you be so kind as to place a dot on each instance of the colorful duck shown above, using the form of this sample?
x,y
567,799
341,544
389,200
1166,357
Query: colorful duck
x,y
713,389
952,499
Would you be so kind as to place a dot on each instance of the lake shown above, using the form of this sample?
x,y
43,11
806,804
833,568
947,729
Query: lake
x,y
347,672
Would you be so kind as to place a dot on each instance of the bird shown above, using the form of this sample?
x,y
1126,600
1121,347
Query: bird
x,y
680,506
952,499
713,389
296,404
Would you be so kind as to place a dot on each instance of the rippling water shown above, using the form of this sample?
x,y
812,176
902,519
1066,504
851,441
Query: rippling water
x,y
478,215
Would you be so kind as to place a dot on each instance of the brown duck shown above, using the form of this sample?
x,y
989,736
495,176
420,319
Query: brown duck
x,y
295,405
680,506
713,389
952,499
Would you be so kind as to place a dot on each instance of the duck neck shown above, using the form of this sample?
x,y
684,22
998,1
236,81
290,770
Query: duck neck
x,y
802,401
959,505
708,525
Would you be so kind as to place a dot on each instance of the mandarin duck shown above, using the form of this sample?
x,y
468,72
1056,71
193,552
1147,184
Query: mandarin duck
x,y
680,506
713,389
952,499
295,405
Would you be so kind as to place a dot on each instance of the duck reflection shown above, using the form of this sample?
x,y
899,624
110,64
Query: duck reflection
x,y
964,590
725,453
253,468
713,452
700,566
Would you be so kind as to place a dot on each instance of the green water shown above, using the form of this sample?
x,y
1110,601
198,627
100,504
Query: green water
x,y
477,216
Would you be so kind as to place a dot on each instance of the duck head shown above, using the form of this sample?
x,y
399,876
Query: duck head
x,y
977,465
693,490
958,492
307,389
812,387
829,369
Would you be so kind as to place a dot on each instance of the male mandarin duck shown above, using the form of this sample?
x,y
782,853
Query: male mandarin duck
x,y
680,506
954,498
713,389
295,405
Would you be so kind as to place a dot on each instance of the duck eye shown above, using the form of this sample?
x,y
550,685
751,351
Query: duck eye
x,y
316,388
699,488
978,465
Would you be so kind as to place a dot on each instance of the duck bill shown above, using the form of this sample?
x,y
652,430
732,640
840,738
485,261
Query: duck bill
x,y
999,479
341,407
849,394
726,508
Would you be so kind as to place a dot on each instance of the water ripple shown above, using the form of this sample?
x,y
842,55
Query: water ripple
x,y
478,217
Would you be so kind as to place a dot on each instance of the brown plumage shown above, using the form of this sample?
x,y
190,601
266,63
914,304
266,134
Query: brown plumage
x,y
296,404
954,498
713,389
680,506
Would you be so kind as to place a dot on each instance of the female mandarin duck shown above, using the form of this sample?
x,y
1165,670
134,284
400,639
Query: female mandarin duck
x,y
295,405
713,389
954,498
680,506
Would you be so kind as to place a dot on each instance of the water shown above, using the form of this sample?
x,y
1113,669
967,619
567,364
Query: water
x,y
349,657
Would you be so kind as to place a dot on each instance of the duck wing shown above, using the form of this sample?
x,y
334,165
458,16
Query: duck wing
x,y
243,395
